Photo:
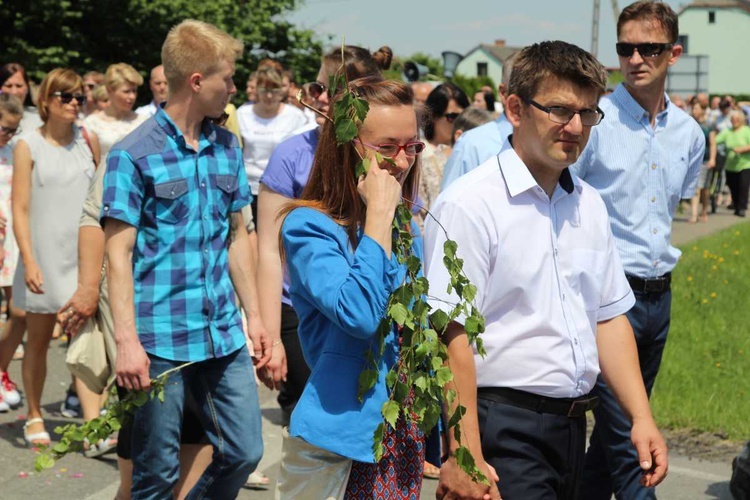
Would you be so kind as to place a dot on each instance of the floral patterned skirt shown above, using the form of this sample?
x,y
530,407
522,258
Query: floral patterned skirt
x,y
398,475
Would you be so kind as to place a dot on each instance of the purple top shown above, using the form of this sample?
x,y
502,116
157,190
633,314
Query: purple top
x,y
287,173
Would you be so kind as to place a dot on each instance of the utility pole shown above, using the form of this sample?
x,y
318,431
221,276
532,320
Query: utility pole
x,y
595,30
595,25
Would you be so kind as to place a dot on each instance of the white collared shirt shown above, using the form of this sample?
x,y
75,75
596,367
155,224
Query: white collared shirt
x,y
546,272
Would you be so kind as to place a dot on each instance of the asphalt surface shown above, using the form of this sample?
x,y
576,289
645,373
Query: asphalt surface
x,y
76,477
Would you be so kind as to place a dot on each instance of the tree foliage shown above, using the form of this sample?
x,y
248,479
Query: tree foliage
x,y
91,34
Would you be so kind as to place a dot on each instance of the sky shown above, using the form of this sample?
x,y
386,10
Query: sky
x,y
432,26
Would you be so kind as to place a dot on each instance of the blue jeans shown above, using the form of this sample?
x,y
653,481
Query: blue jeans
x,y
226,398
611,464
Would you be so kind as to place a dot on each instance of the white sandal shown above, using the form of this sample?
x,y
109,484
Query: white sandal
x,y
38,438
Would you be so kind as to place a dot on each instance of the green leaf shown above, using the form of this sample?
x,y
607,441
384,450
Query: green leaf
x,y
399,313
443,375
367,381
390,412
439,320
43,461
139,398
465,461
346,130
471,325
361,107
449,249
362,167
457,416
377,442
60,448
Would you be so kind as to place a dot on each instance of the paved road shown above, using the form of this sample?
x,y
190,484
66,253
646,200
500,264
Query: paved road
x,y
78,478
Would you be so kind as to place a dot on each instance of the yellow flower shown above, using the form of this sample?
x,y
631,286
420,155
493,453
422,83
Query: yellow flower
x,y
736,233
718,365
736,252
713,295
725,245
690,278
695,248
714,268
721,259
704,301
726,282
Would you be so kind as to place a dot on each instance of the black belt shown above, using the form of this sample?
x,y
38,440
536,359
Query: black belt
x,y
569,407
660,284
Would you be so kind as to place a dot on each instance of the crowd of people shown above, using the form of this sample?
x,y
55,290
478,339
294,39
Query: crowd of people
x,y
238,239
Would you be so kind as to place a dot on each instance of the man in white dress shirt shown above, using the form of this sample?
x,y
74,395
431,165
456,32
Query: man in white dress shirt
x,y
157,82
536,242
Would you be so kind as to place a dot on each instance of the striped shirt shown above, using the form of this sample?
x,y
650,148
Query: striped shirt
x,y
180,201
642,172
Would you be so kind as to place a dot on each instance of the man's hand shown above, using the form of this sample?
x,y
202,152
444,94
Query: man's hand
x,y
259,337
276,370
652,451
78,309
456,484
132,366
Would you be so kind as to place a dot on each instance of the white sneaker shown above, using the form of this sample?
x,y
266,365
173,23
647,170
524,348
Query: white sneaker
x,y
8,390
3,405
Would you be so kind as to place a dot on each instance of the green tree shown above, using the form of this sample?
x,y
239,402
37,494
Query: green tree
x,y
91,34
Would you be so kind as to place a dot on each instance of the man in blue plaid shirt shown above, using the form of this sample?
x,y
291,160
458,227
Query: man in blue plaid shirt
x,y
178,250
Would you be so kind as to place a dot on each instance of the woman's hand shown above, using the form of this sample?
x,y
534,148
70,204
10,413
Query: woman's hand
x,y
379,190
73,315
33,277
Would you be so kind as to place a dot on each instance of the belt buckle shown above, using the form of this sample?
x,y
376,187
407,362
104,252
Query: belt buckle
x,y
654,285
575,404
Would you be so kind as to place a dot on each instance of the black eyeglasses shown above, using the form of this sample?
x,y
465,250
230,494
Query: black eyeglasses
x,y
67,97
390,150
563,115
650,49
10,132
451,116
316,89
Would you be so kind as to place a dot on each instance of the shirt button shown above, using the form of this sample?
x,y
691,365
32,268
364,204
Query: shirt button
x,y
655,231
205,250
576,341
653,199
656,263
203,184
653,166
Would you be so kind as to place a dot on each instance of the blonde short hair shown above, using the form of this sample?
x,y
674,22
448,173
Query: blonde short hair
x,y
57,80
196,47
100,93
121,74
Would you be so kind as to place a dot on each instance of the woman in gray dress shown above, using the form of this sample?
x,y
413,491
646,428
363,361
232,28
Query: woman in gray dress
x,y
52,170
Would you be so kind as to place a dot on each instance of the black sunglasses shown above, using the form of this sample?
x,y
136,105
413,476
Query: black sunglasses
x,y
67,97
650,49
451,116
316,89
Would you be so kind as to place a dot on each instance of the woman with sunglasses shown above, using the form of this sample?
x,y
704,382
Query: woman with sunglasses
x,y
264,124
444,104
337,244
52,168
15,81
118,119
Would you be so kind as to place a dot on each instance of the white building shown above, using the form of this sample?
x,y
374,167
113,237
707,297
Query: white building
x,y
486,60
719,29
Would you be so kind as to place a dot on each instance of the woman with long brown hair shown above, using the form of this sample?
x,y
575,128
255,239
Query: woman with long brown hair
x,y
337,241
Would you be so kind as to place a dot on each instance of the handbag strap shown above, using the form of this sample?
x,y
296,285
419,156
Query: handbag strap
x,y
86,138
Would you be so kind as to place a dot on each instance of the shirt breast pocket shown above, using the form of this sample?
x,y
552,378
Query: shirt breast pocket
x,y
171,201
228,186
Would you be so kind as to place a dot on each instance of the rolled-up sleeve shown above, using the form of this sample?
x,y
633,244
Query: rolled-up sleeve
x,y
123,189
616,296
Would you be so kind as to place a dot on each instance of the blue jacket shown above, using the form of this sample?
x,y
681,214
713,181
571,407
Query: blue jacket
x,y
340,295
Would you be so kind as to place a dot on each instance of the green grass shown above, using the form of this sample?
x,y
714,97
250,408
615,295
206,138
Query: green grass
x,y
704,381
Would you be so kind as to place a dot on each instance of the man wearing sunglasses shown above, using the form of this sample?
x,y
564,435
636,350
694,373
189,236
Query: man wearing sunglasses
x,y
644,157
536,243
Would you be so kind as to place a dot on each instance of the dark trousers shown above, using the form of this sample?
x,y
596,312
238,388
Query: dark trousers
x,y
297,370
536,455
611,460
739,184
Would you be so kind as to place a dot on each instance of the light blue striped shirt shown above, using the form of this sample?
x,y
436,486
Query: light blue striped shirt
x,y
642,172
475,147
